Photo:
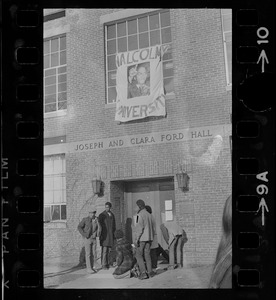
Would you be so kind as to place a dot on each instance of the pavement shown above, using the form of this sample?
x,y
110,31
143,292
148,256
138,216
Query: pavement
x,y
64,274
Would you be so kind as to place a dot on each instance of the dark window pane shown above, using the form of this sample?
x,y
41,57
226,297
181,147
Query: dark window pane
x,y
63,212
50,72
50,99
121,29
50,90
111,78
132,26
143,40
168,54
112,95
168,85
111,32
62,105
47,213
54,59
55,211
50,107
46,61
54,45
167,68
122,44
143,24
166,35
62,87
62,96
154,21
111,47
63,43
111,62
50,80
165,19
132,42
63,58
154,37
62,78
46,47
61,70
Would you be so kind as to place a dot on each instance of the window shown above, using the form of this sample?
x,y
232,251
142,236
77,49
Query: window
x,y
55,78
168,210
227,40
54,188
54,16
137,33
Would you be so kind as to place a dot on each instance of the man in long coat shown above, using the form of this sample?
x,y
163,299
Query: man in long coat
x,y
108,227
144,233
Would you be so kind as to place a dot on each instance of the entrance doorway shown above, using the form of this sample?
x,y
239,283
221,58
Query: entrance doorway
x,y
158,194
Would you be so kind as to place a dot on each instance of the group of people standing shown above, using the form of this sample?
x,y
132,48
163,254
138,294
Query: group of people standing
x,y
137,259
140,258
102,227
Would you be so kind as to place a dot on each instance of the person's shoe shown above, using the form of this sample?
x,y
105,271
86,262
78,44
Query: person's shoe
x,y
151,274
178,266
90,271
94,270
143,276
105,268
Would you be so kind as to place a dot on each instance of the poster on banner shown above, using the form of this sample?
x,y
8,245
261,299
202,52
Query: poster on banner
x,y
139,84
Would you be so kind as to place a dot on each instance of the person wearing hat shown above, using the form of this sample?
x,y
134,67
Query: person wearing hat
x,y
144,234
90,228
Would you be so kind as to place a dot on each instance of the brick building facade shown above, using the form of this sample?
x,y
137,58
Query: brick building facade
x,y
137,159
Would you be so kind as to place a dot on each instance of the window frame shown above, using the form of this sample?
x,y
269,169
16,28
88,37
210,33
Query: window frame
x,y
64,198
131,18
224,32
57,111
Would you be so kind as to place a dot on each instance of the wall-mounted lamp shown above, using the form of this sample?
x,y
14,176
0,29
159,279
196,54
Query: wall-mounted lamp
x,y
183,181
96,185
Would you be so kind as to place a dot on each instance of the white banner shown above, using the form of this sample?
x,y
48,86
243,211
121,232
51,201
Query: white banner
x,y
139,84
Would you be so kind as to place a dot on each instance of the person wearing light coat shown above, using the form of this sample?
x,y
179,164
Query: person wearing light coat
x,y
154,244
144,234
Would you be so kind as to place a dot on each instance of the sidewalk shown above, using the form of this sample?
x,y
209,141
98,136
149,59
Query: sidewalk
x,y
65,276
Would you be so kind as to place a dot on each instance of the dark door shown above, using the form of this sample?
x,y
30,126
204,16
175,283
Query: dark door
x,y
159,194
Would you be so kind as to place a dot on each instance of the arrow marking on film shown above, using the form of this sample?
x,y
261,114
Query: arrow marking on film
x,y
263,206
263,58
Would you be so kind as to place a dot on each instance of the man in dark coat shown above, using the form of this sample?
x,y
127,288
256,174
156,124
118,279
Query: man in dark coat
x,y
108,227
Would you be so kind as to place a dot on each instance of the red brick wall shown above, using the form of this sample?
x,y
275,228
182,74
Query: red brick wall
x,y
200,100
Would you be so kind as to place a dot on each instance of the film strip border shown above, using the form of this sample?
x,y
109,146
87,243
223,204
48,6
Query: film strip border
x,y
253,160
253,148
22,149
